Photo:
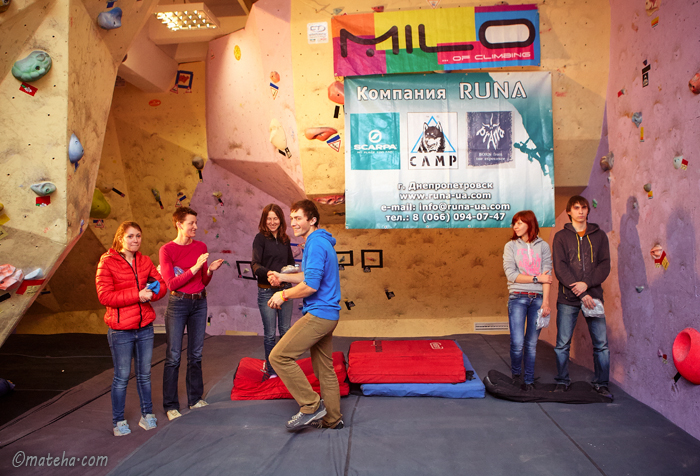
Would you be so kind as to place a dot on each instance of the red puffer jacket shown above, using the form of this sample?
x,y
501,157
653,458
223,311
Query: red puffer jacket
x,y
118,285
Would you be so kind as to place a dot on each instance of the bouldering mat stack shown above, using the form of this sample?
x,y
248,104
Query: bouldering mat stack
x,y
250,382
436,368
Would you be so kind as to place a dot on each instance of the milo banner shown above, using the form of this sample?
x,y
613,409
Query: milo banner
x,y
448,150
446,39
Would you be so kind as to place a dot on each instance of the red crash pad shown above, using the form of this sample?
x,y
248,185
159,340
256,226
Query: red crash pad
x,y
406,361
251,383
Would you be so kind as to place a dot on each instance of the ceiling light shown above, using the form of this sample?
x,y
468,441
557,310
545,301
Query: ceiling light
x,y
177,18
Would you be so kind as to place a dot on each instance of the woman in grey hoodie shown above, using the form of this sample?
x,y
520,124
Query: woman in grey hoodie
x,y
527,262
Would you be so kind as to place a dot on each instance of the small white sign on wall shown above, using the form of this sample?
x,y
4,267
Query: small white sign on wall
x,y
317,32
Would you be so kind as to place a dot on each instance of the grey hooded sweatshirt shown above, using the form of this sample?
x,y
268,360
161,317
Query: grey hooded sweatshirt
x,y
530,259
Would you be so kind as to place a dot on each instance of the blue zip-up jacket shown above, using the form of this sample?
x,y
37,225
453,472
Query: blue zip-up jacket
x,y
320,267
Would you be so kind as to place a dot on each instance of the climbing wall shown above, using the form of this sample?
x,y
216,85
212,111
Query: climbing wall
x,y
652,121
250,98
72,98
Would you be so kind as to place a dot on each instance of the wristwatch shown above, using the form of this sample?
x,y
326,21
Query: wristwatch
x,y
534,280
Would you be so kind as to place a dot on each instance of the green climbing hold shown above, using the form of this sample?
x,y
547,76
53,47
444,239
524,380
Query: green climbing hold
x,y
100,207
33,67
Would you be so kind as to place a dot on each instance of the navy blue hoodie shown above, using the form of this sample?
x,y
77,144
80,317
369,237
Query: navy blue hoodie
x,y
320,267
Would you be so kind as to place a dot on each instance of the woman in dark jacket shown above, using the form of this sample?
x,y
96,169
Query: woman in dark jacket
x,y
126,281
271,252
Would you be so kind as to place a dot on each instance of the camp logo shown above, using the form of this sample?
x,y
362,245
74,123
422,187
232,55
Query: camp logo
x,y
374,141
489,137
429,134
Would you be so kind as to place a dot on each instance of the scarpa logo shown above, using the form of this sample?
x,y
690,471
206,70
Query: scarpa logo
x,y
375,141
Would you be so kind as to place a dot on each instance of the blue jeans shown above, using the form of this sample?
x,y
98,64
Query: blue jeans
x,y
566,322
282,318
137,343
522,310
181,313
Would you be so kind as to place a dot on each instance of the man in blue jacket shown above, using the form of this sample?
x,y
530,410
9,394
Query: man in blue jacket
x,y
581,264
319,285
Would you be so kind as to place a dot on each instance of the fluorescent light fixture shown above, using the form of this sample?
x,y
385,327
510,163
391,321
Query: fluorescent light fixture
x,y
186,16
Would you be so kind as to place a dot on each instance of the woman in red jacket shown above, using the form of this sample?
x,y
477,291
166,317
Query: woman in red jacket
x,y
126,282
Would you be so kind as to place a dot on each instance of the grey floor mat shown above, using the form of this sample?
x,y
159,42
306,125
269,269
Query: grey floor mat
x,y
383,435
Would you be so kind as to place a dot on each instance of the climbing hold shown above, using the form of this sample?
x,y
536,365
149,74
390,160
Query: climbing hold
x,y
607,162
637,119
156,194
378,9
36,274
680,163
694,84
331,200
336,92
274,77
336,11
75,150
2,207
9,276
100,207
43,189
320,133
4,5
639,288
659,255
218,196
635,203
652,6
33,67
198,162
647,187
621,92
111,19
686,354
389,294
278,137
595,203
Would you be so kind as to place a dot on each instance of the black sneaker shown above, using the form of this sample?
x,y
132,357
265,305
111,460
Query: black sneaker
x,y
561,388
322,425
517,379
603,391
526,387
305,420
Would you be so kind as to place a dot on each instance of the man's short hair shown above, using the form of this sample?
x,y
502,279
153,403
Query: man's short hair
x,y
181,213
577,200
308,208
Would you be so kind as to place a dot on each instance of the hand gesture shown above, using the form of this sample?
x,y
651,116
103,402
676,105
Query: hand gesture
x,y
276,300
545,278
588,302
145,295
200,262
579,288
273,278
215,265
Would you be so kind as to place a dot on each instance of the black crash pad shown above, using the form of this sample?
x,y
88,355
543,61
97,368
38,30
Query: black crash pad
x,y
502,386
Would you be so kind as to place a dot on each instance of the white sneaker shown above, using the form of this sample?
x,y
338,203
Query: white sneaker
x,y
172,414
201,403
148,421
122,428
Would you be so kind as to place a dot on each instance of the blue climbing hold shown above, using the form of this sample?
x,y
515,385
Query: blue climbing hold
x,y
111,19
